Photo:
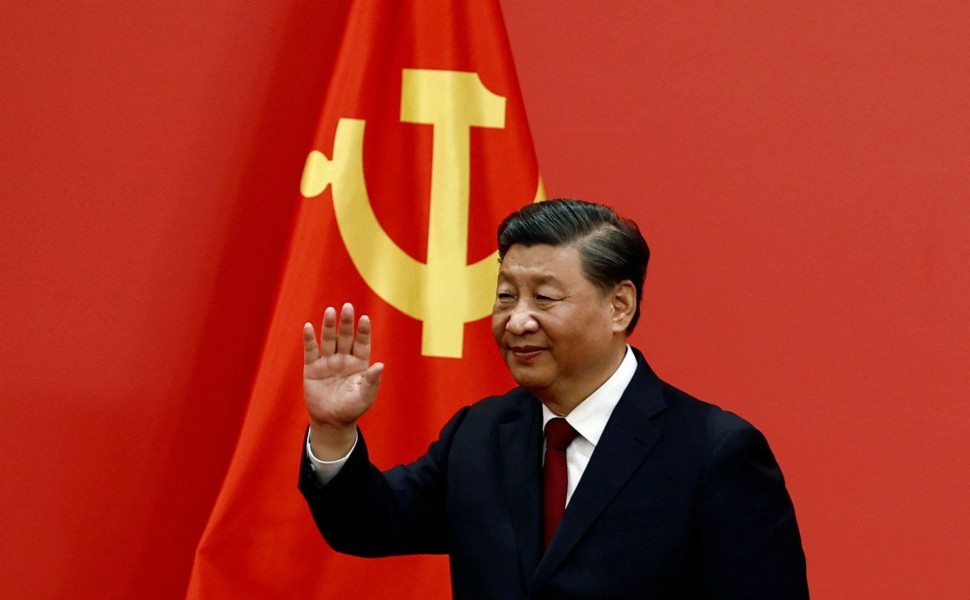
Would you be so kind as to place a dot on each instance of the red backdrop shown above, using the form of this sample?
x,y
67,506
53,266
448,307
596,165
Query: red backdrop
x,y
801,169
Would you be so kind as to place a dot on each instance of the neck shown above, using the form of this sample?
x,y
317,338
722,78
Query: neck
x,y
563,401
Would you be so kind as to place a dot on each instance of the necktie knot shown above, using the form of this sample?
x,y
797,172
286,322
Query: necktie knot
x,y
559,434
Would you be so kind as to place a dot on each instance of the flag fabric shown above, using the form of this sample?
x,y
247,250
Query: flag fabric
x,y
421,150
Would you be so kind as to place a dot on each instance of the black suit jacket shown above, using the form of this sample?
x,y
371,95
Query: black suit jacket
x,y
680,500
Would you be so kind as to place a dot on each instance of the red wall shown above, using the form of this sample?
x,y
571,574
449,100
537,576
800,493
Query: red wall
x,y
801,169
151,154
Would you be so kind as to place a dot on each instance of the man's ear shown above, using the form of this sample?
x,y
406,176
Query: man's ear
x,y
624,301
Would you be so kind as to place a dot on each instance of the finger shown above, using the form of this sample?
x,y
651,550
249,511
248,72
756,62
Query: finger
x,y
362,342
373,373
311,351
345,329
328,332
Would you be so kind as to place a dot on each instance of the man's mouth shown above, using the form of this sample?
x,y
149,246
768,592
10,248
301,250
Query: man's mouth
x,y
526,352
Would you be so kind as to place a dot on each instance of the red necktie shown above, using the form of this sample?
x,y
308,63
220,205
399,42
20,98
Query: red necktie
x,y
559,434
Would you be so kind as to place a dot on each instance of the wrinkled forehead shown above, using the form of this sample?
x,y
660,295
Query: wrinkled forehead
x,y
541,264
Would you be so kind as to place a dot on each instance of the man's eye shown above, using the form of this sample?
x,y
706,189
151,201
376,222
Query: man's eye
x,y
541,298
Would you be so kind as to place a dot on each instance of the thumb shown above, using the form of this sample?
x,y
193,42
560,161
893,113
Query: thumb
x,y
373,373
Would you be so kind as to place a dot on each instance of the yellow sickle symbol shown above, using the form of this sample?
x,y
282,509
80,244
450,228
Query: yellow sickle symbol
x,y
446,292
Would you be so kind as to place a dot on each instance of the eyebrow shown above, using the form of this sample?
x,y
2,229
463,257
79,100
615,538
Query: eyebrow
x,y
539,279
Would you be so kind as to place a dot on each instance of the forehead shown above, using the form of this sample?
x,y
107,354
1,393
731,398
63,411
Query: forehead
x,y
541,263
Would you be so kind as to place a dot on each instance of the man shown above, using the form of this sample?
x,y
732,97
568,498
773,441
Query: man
x,y
666,497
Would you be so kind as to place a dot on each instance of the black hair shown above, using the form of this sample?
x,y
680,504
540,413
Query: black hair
x,y
611,248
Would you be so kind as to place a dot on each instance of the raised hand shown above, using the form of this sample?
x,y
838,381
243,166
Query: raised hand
x,y
339,383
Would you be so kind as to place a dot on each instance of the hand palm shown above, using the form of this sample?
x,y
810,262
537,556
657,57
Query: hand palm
x,y
339,382
336,389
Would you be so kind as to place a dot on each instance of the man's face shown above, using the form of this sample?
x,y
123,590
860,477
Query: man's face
x,y
560,336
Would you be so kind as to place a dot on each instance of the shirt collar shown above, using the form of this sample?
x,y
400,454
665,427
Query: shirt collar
x,y
590,416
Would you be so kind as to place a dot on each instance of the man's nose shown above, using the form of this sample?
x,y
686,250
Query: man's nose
x,y
521,321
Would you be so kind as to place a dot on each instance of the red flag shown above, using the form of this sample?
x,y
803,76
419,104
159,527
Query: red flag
x,y
422,149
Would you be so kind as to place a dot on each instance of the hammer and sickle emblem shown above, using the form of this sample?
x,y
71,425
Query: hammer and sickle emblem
x,y
446,292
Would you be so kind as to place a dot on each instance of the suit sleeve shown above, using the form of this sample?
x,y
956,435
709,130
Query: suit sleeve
x,y
749,541
366,512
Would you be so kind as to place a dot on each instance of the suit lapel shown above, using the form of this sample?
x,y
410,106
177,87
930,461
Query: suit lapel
x,y
627,440
520,446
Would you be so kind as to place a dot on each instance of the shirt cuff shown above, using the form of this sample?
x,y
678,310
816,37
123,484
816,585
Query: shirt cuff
x,y
326,470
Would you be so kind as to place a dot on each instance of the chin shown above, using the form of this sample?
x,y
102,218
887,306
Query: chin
x,y
528,378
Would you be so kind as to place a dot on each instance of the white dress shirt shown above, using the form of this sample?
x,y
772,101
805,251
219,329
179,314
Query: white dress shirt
x,y
589,420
